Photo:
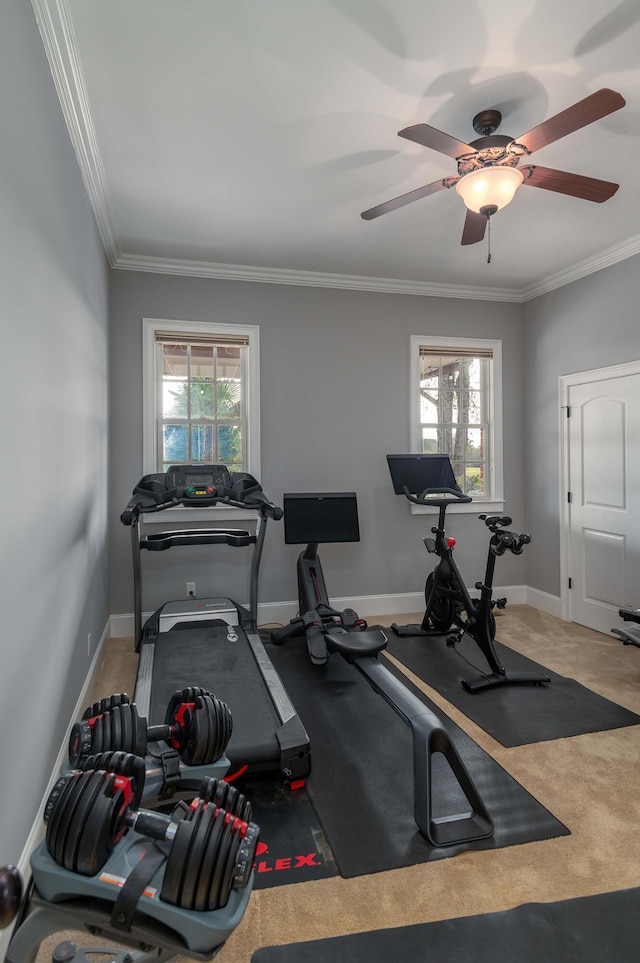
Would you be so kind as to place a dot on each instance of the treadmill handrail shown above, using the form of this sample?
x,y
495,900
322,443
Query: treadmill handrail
x,y
151,495
160,541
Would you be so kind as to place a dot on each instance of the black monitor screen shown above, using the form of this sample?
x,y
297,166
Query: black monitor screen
x,y
417,472
320,517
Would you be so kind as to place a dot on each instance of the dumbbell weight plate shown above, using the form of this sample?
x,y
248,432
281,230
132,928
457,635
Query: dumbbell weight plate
x,y
179,697
103,826
80,742
55,794
126,728
77,821
98,736
139,732
226,796
113,729
216,896
205,731
245,857
177,860
229,869
209,861
195,860
191,739
221,726
124,764
206,715
58,814
104,705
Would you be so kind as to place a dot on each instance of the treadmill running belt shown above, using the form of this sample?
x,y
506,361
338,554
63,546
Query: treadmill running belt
x,y
228,670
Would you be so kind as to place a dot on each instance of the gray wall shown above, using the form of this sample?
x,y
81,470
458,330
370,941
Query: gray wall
x,y
53,415
589,324
334,401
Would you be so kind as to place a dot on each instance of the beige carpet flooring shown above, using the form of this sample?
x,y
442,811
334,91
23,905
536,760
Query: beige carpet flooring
x,y
591,783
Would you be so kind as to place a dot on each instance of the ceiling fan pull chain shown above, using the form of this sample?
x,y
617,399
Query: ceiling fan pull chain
x,y
488,240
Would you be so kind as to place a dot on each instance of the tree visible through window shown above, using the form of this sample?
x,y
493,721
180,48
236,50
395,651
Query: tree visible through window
x,y
201,395
203,404
455,410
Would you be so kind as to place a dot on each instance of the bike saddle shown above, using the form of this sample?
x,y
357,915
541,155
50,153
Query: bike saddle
x,y
496,521
352,645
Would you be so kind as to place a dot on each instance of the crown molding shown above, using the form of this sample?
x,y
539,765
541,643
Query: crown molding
x,y
354,282
56,30
618,252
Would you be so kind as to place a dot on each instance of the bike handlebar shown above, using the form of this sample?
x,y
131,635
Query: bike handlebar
x,y
502,541
426,497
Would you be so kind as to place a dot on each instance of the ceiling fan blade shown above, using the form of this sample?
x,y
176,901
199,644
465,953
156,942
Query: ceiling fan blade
x,y
592,108
474,228
436,140
408,198
588,188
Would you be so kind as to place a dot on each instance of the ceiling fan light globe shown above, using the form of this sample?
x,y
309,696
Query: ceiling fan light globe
x,y
489,187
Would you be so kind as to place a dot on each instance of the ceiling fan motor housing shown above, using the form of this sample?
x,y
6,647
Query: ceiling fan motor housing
x,y
487,122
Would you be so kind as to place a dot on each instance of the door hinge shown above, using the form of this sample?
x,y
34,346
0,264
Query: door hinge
x,y
569,581
569,497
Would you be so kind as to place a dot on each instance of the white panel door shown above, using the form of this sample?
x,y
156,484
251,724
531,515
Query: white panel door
x,y
604,509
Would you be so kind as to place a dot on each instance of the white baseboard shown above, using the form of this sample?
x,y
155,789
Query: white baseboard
x,y
37,832
369,606
551,604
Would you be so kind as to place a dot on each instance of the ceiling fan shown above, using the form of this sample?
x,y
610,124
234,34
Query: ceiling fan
x,y
489,171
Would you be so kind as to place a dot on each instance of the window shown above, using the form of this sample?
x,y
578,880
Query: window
x,y
456,405
201,395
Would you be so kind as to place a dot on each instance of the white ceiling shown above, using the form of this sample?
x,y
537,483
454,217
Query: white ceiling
x,y
245,137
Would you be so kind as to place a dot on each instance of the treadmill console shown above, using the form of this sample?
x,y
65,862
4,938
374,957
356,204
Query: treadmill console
x,y
199,481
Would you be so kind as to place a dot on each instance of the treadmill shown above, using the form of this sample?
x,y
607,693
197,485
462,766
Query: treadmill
x,y
213,642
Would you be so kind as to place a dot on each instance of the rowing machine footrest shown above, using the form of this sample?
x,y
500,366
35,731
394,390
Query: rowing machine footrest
x,y
349,618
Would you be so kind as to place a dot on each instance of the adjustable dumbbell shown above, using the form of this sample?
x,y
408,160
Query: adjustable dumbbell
x,y
222,794
211,850
197,725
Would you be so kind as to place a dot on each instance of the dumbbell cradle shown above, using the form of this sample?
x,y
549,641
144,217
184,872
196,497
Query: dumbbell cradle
x,y
197,725
211,849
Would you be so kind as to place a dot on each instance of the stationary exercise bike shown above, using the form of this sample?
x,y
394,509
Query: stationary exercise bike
x,y
449,604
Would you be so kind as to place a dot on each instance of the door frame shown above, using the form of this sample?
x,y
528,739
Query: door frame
x,y
565,383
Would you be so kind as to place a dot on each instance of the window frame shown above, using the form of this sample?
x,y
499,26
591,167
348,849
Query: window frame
x,y
151,387
494,501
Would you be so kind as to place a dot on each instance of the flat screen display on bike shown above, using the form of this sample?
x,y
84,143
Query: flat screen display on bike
x,y
311,517
418,472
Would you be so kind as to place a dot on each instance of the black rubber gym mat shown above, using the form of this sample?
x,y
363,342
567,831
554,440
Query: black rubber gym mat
x,y
361,782
515,715
292,846
591,929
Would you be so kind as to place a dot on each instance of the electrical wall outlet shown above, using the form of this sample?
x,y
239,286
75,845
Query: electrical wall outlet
x,y
191,590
